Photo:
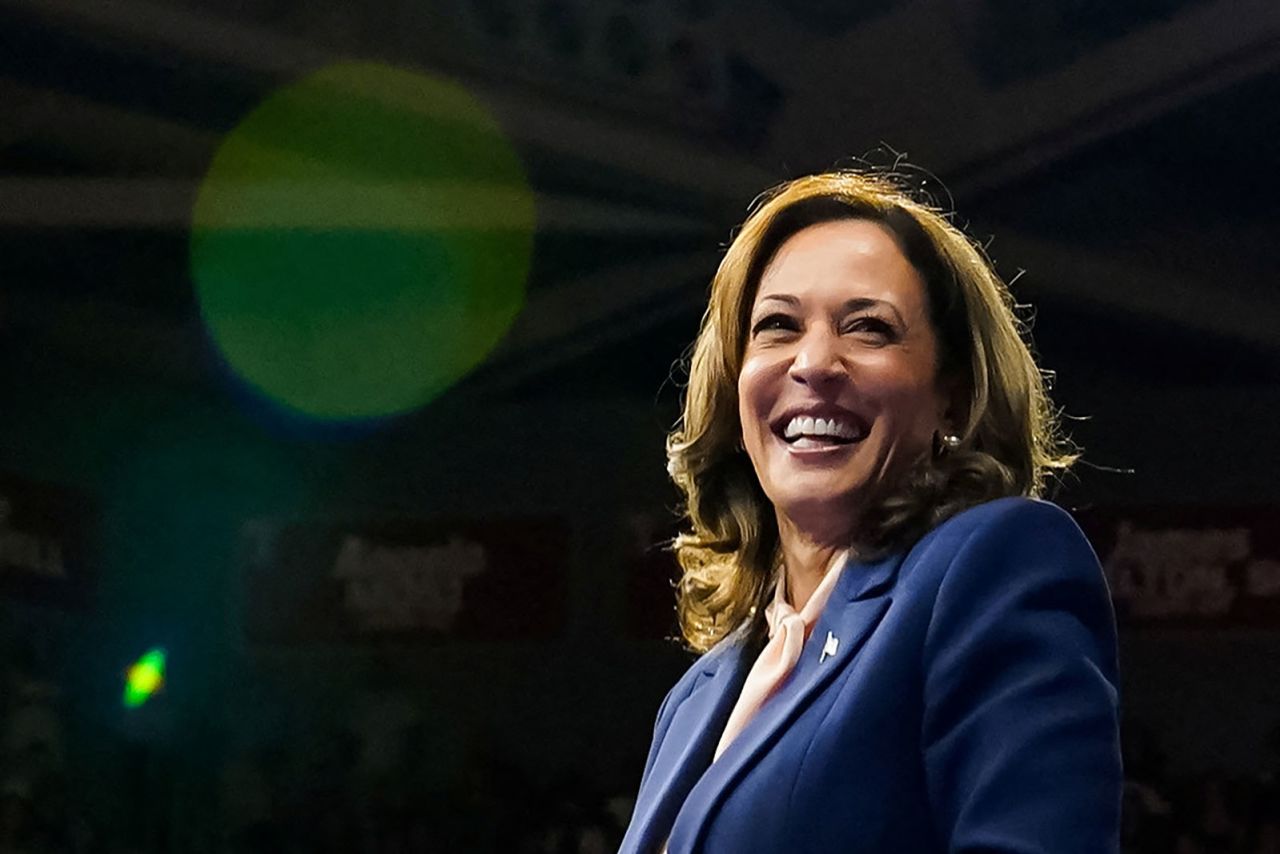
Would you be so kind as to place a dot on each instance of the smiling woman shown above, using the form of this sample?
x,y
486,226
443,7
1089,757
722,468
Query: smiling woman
x,y
905,650
838,301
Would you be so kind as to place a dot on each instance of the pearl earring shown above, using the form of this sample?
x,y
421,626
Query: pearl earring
x,y
945,443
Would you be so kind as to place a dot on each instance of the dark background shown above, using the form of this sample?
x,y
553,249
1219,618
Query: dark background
x,y
1123,155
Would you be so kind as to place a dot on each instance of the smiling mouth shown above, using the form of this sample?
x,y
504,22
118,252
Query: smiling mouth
x,y
806,433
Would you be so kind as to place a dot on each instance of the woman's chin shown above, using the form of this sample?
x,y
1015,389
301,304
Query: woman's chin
x,y
821,505
828,475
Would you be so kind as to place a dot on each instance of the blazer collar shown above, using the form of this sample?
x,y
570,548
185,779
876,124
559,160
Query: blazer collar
x,y
865,579
856,606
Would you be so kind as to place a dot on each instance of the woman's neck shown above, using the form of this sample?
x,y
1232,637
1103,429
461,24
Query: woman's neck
x,y
807,555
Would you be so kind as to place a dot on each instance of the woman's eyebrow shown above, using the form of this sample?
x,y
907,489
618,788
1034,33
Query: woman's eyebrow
x,y
859,303
862,303
849,306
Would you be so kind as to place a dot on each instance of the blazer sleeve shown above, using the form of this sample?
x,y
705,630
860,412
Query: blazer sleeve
x,y
659,730
678,694
1021,717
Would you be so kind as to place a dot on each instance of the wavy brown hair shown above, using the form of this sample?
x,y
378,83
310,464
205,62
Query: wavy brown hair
x,y
1009,433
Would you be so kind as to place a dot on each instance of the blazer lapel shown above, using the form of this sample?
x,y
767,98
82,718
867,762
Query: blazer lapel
x,y
687,746
856,606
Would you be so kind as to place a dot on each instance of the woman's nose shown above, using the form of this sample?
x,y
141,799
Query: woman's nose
x,y
817,360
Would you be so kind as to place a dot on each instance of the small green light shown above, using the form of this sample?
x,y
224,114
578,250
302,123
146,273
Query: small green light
x,y
144,678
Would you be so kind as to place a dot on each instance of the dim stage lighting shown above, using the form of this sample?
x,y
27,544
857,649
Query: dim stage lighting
x,y
361,241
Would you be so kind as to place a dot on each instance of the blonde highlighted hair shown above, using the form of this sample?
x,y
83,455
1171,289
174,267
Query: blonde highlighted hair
x,y
1009,434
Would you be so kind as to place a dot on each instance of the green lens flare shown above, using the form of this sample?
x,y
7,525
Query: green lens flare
x,y
144,678
361,241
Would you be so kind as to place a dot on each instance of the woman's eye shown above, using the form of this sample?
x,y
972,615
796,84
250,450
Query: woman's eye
x,y
871,325
773,321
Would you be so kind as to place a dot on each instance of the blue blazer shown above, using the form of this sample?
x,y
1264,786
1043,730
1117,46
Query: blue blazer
x,y
971,706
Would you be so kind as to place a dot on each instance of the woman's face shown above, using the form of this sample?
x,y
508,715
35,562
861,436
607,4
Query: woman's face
x,y
839,388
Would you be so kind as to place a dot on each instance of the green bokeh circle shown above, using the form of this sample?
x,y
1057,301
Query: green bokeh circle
x,y
361,241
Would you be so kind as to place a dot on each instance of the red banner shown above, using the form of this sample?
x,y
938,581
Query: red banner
x,y
490,579
1202,567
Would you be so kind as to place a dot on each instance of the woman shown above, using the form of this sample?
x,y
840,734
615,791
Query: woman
x,y
906,651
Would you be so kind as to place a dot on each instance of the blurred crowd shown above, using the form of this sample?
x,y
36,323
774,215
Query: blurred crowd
x,y
1207,813
494,806
498,810
320,796
313,795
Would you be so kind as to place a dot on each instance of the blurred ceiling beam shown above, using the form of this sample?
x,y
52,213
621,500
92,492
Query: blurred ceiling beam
x,y
157,203
637,147
988,172
604,307
982,136
557,325
1128,287
980,133
129,140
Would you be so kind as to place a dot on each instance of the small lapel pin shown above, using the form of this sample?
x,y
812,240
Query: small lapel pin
x,y
829,647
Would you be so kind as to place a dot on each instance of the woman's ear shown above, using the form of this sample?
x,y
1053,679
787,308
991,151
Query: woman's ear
x,y
953,403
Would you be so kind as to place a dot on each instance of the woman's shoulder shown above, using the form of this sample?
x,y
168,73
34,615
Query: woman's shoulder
x,y
1013,515
1008,510
1005,532
707,663
1014,567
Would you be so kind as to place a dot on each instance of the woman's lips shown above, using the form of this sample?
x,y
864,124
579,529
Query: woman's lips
x,y
814,448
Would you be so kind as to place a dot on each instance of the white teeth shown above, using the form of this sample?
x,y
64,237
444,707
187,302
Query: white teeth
x,y
806,426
